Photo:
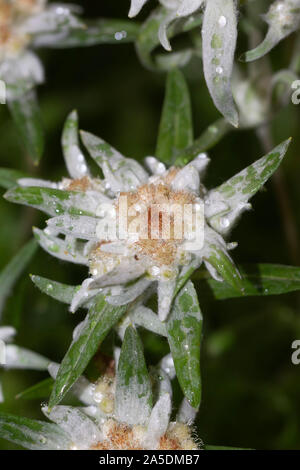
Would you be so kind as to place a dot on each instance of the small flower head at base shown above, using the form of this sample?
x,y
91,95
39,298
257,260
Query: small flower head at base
x,y
126,416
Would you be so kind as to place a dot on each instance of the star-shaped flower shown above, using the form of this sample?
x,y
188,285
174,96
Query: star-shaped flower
x,y
85,211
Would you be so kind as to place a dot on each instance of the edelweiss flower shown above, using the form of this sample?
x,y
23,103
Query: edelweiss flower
x,y
83,207
113,415
111,420
21,23
175,9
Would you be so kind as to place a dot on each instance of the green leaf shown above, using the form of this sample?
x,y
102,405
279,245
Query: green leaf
x,y
208,139
52,201
9,178
241,187
224,265
58,291
10,274
97,324
133,398
26,114
32,434
38,391
219,35
176,125
99,31
257,279
184,327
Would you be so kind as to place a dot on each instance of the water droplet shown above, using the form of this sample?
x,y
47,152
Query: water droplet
x,y
202,156
222,21
119,35
219,70
224,222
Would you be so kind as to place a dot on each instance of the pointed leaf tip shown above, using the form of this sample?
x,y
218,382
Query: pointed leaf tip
x,y
219,35
133,386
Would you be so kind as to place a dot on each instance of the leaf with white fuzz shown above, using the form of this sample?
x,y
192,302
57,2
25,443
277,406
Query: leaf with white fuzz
x,y
58,291
53,201
186,413
235,193
158,422
7,333
135,7
187,179
21,358
127,271
83,431
148,38
145,317
122,174
129,294
283,19
37,182
81,389
162,383
97,324
219,35
133,398
79,226
184,327
176,125
74,158
165,293
59,248
33,434
215,253
175,9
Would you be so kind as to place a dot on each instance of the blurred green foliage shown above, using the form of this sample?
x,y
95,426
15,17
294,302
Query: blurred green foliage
x,y
250,387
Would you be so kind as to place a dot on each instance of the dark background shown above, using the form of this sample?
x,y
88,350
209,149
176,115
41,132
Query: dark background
x,y
250,387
